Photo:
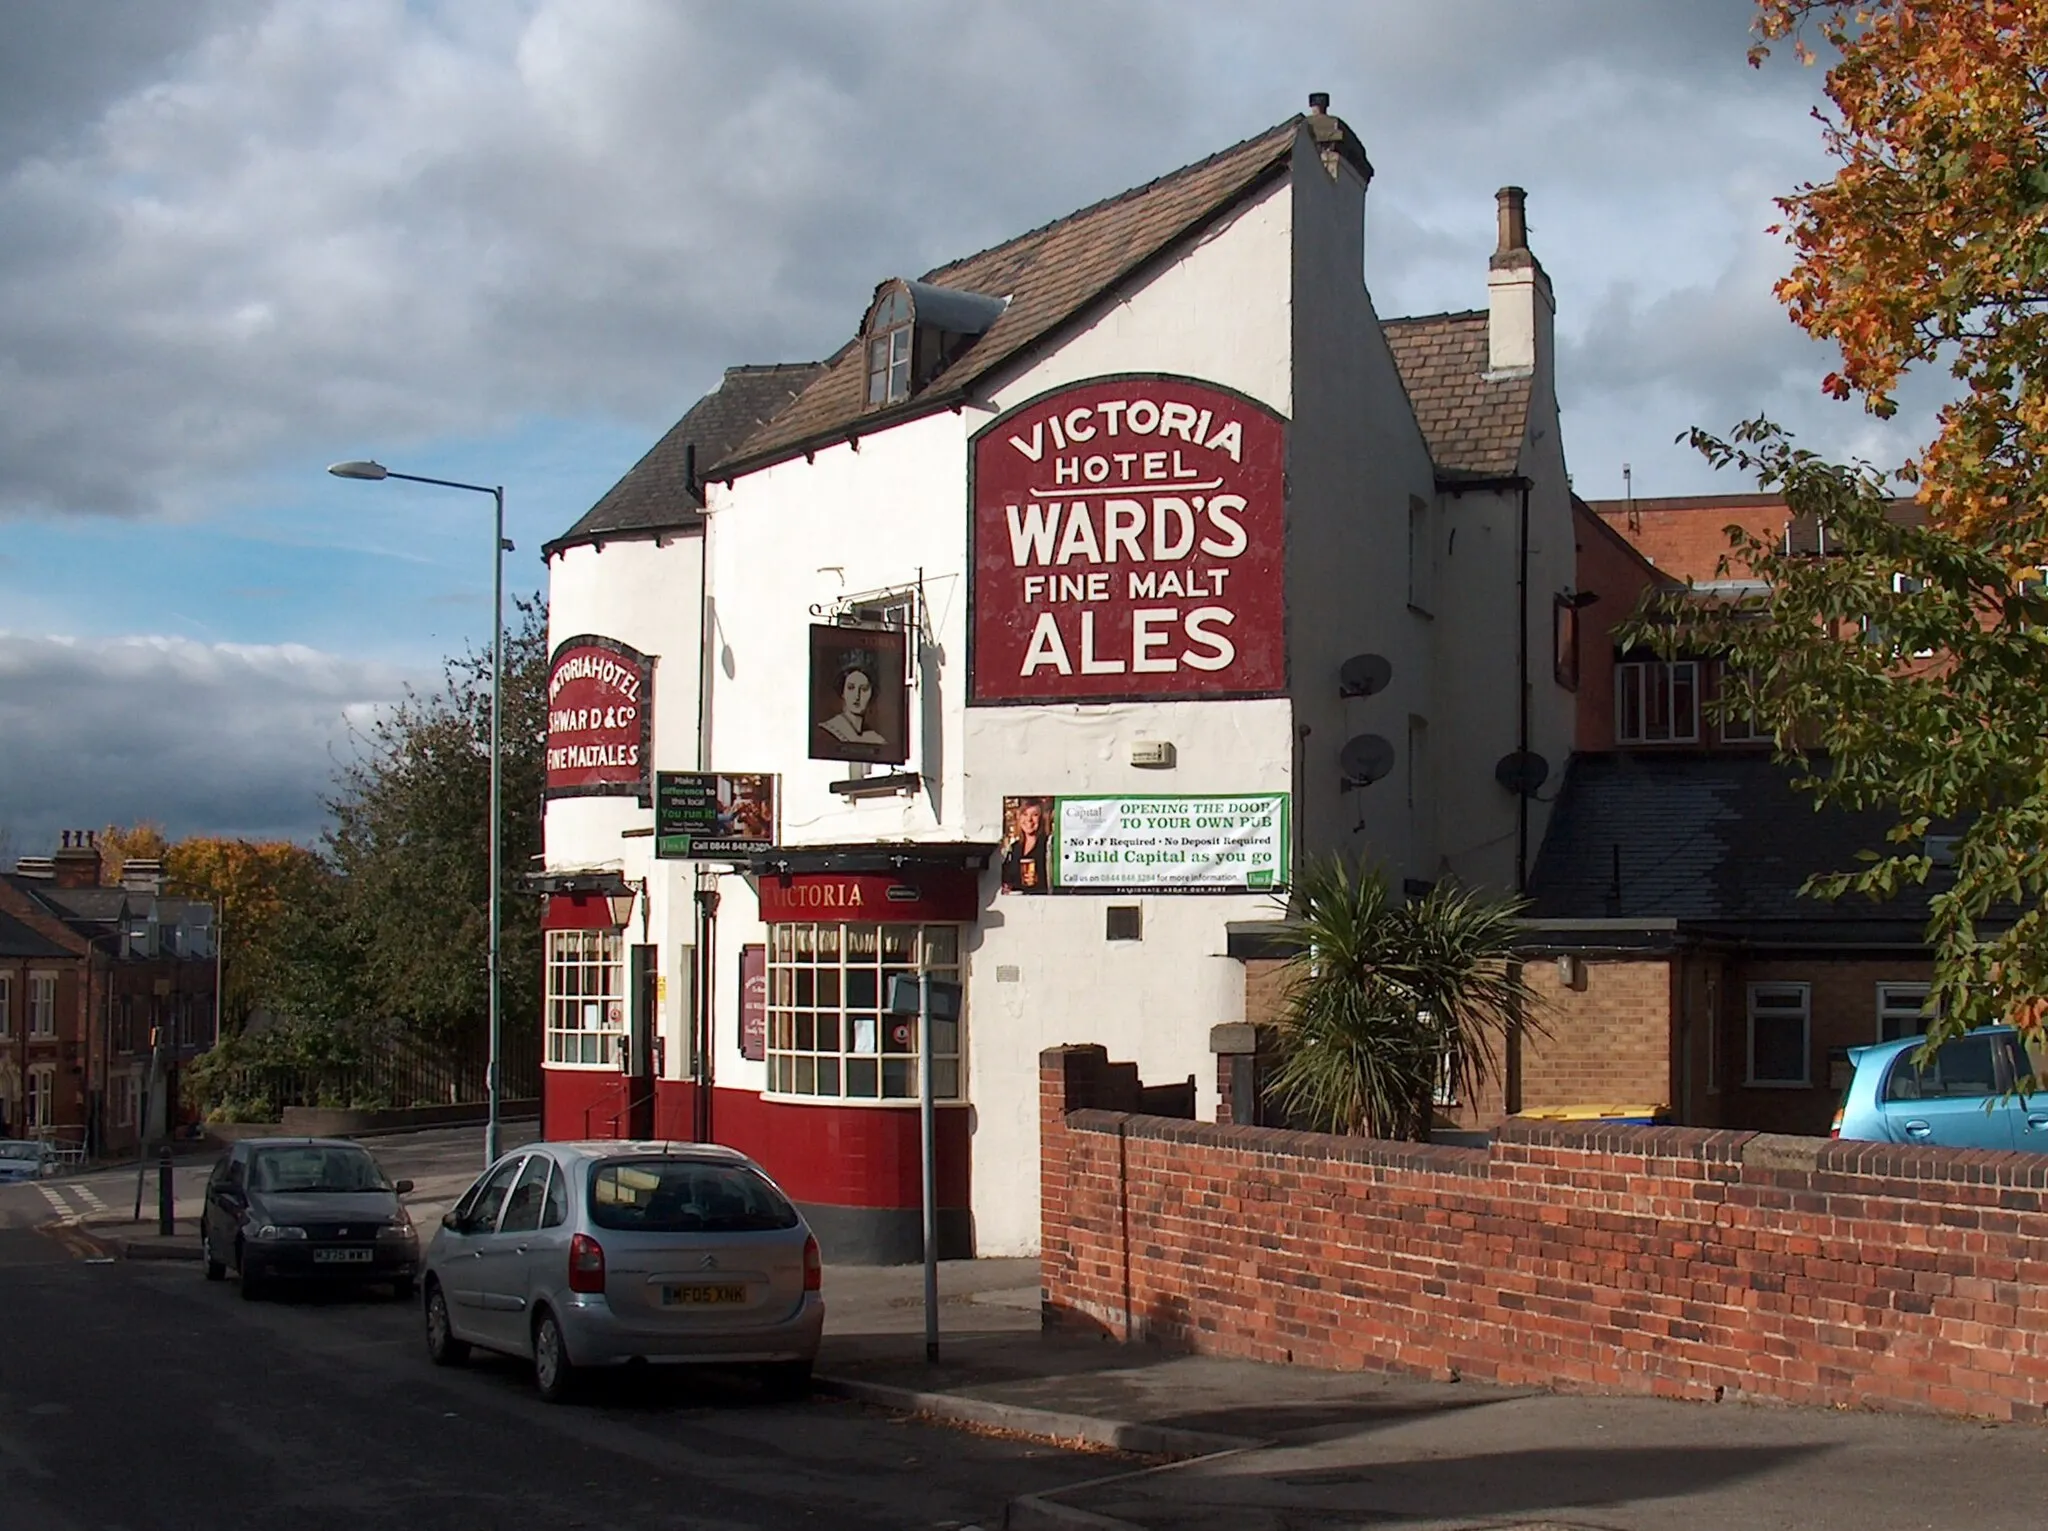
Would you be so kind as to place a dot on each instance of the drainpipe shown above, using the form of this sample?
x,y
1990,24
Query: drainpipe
x,y
1522,689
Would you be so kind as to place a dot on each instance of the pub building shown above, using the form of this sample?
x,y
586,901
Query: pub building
x,y
1030,642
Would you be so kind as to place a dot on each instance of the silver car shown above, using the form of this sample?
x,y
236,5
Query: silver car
x,y
583,1255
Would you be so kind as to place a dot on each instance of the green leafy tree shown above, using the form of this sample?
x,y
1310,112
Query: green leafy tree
x,y
1907,673
408,926
1386,1002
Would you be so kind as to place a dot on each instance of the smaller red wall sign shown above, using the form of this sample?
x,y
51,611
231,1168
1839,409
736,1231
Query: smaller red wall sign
x,y
600,719
951,894
754,1003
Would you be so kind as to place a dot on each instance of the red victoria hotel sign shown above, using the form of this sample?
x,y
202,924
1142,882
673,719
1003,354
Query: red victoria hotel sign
x,y
1127,545
600,719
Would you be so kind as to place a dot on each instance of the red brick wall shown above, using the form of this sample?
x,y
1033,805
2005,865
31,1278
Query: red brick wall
x,y
1673,1261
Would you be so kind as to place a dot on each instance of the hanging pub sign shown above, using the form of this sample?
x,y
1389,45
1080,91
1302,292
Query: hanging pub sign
x,y
1145,844
1127,546
600,719
712,815
859,707
753,1003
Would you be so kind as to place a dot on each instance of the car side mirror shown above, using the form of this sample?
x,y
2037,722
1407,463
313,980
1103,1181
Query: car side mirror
x,y
402,1188
452,1221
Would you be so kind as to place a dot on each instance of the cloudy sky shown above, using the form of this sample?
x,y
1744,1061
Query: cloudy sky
x,y
512,243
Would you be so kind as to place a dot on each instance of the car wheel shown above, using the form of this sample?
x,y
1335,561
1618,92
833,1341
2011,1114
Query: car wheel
x,y
787,1381
216,1269
553,1373
443,1348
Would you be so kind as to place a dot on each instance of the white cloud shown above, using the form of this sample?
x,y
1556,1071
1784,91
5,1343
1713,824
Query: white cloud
x,y
203,739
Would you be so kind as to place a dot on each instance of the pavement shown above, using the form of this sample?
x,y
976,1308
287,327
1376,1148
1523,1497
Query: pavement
x,y
1200,1442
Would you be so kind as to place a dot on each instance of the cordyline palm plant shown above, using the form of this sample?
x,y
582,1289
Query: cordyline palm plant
x,y
1389,1002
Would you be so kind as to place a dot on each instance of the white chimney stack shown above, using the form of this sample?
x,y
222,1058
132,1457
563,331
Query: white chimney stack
x,y
1519,305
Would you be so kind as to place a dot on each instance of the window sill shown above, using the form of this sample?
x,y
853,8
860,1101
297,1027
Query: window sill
x,y
589,1068
1777,1084
859,1102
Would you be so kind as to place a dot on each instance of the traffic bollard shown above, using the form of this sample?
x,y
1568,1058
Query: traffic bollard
x,y
164,1222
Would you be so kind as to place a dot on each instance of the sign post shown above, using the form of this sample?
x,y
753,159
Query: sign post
x,y
713,815
927,999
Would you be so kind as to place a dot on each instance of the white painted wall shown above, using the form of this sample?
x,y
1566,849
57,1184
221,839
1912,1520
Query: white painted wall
x,y
1357,462
645,593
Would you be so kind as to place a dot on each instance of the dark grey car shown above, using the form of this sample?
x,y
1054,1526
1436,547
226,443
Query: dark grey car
x,y
306,1209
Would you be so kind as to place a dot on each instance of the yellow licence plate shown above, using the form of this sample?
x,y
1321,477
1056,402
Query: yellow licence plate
x,y
702,1296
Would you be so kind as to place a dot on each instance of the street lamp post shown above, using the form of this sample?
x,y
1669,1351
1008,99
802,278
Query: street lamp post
x,y
499,548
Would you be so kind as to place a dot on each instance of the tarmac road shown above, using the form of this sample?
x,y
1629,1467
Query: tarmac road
x,y
139,1397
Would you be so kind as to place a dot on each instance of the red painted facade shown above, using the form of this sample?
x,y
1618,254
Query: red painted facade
x,y
827,1155
949,895
600,718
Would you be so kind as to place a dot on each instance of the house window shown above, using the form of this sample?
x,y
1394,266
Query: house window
x,y
1421,784
42,1096
124,1024
1657,702
586,998
1564,643
1779,1041
6,1005
127,1094
42,1004
1901,1011
828,1035
889,335
1744,726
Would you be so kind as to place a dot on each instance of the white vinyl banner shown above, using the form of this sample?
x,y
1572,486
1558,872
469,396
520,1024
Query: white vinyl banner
x,y
1170,844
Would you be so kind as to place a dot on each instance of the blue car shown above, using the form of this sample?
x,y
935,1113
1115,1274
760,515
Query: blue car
x,y
1965,1096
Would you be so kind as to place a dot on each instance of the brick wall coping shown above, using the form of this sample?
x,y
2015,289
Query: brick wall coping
x,y
1819,1163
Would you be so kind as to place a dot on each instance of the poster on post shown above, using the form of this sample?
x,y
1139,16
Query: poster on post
x,y
713,815
1145,843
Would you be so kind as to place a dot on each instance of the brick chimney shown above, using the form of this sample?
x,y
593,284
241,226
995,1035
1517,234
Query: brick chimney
x,y
1519,305
77,862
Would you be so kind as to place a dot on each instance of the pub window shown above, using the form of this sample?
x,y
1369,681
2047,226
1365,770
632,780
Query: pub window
x,y
890,331
586,998
828,1034
1657,701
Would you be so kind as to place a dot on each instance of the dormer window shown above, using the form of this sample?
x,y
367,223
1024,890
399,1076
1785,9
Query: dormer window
x,y
914,332
889,336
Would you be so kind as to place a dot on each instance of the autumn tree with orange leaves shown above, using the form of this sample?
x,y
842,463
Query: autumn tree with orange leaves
x,y
1908,671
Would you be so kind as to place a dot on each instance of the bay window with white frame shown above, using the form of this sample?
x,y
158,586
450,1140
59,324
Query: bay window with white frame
x,y
586,998
830,1036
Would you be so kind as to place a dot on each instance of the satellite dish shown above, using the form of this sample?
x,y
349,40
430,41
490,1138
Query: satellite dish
x,y
1363,674
1364,760
1522,772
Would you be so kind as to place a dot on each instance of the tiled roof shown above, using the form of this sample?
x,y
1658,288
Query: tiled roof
x,y
1474,426
1705,839
1051,276
655,494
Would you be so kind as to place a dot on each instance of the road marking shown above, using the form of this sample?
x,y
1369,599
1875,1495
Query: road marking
x,y
90,1197
57,1203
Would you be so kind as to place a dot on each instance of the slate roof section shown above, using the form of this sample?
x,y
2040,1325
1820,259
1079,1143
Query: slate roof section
x,y
1709,840
655,495
1052,276
1474,425
19,940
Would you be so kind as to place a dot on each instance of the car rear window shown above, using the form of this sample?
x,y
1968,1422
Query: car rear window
x,y
1966,1068
685,1196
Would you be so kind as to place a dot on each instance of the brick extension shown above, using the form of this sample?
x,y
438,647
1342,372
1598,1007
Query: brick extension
x,y
1672,1261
